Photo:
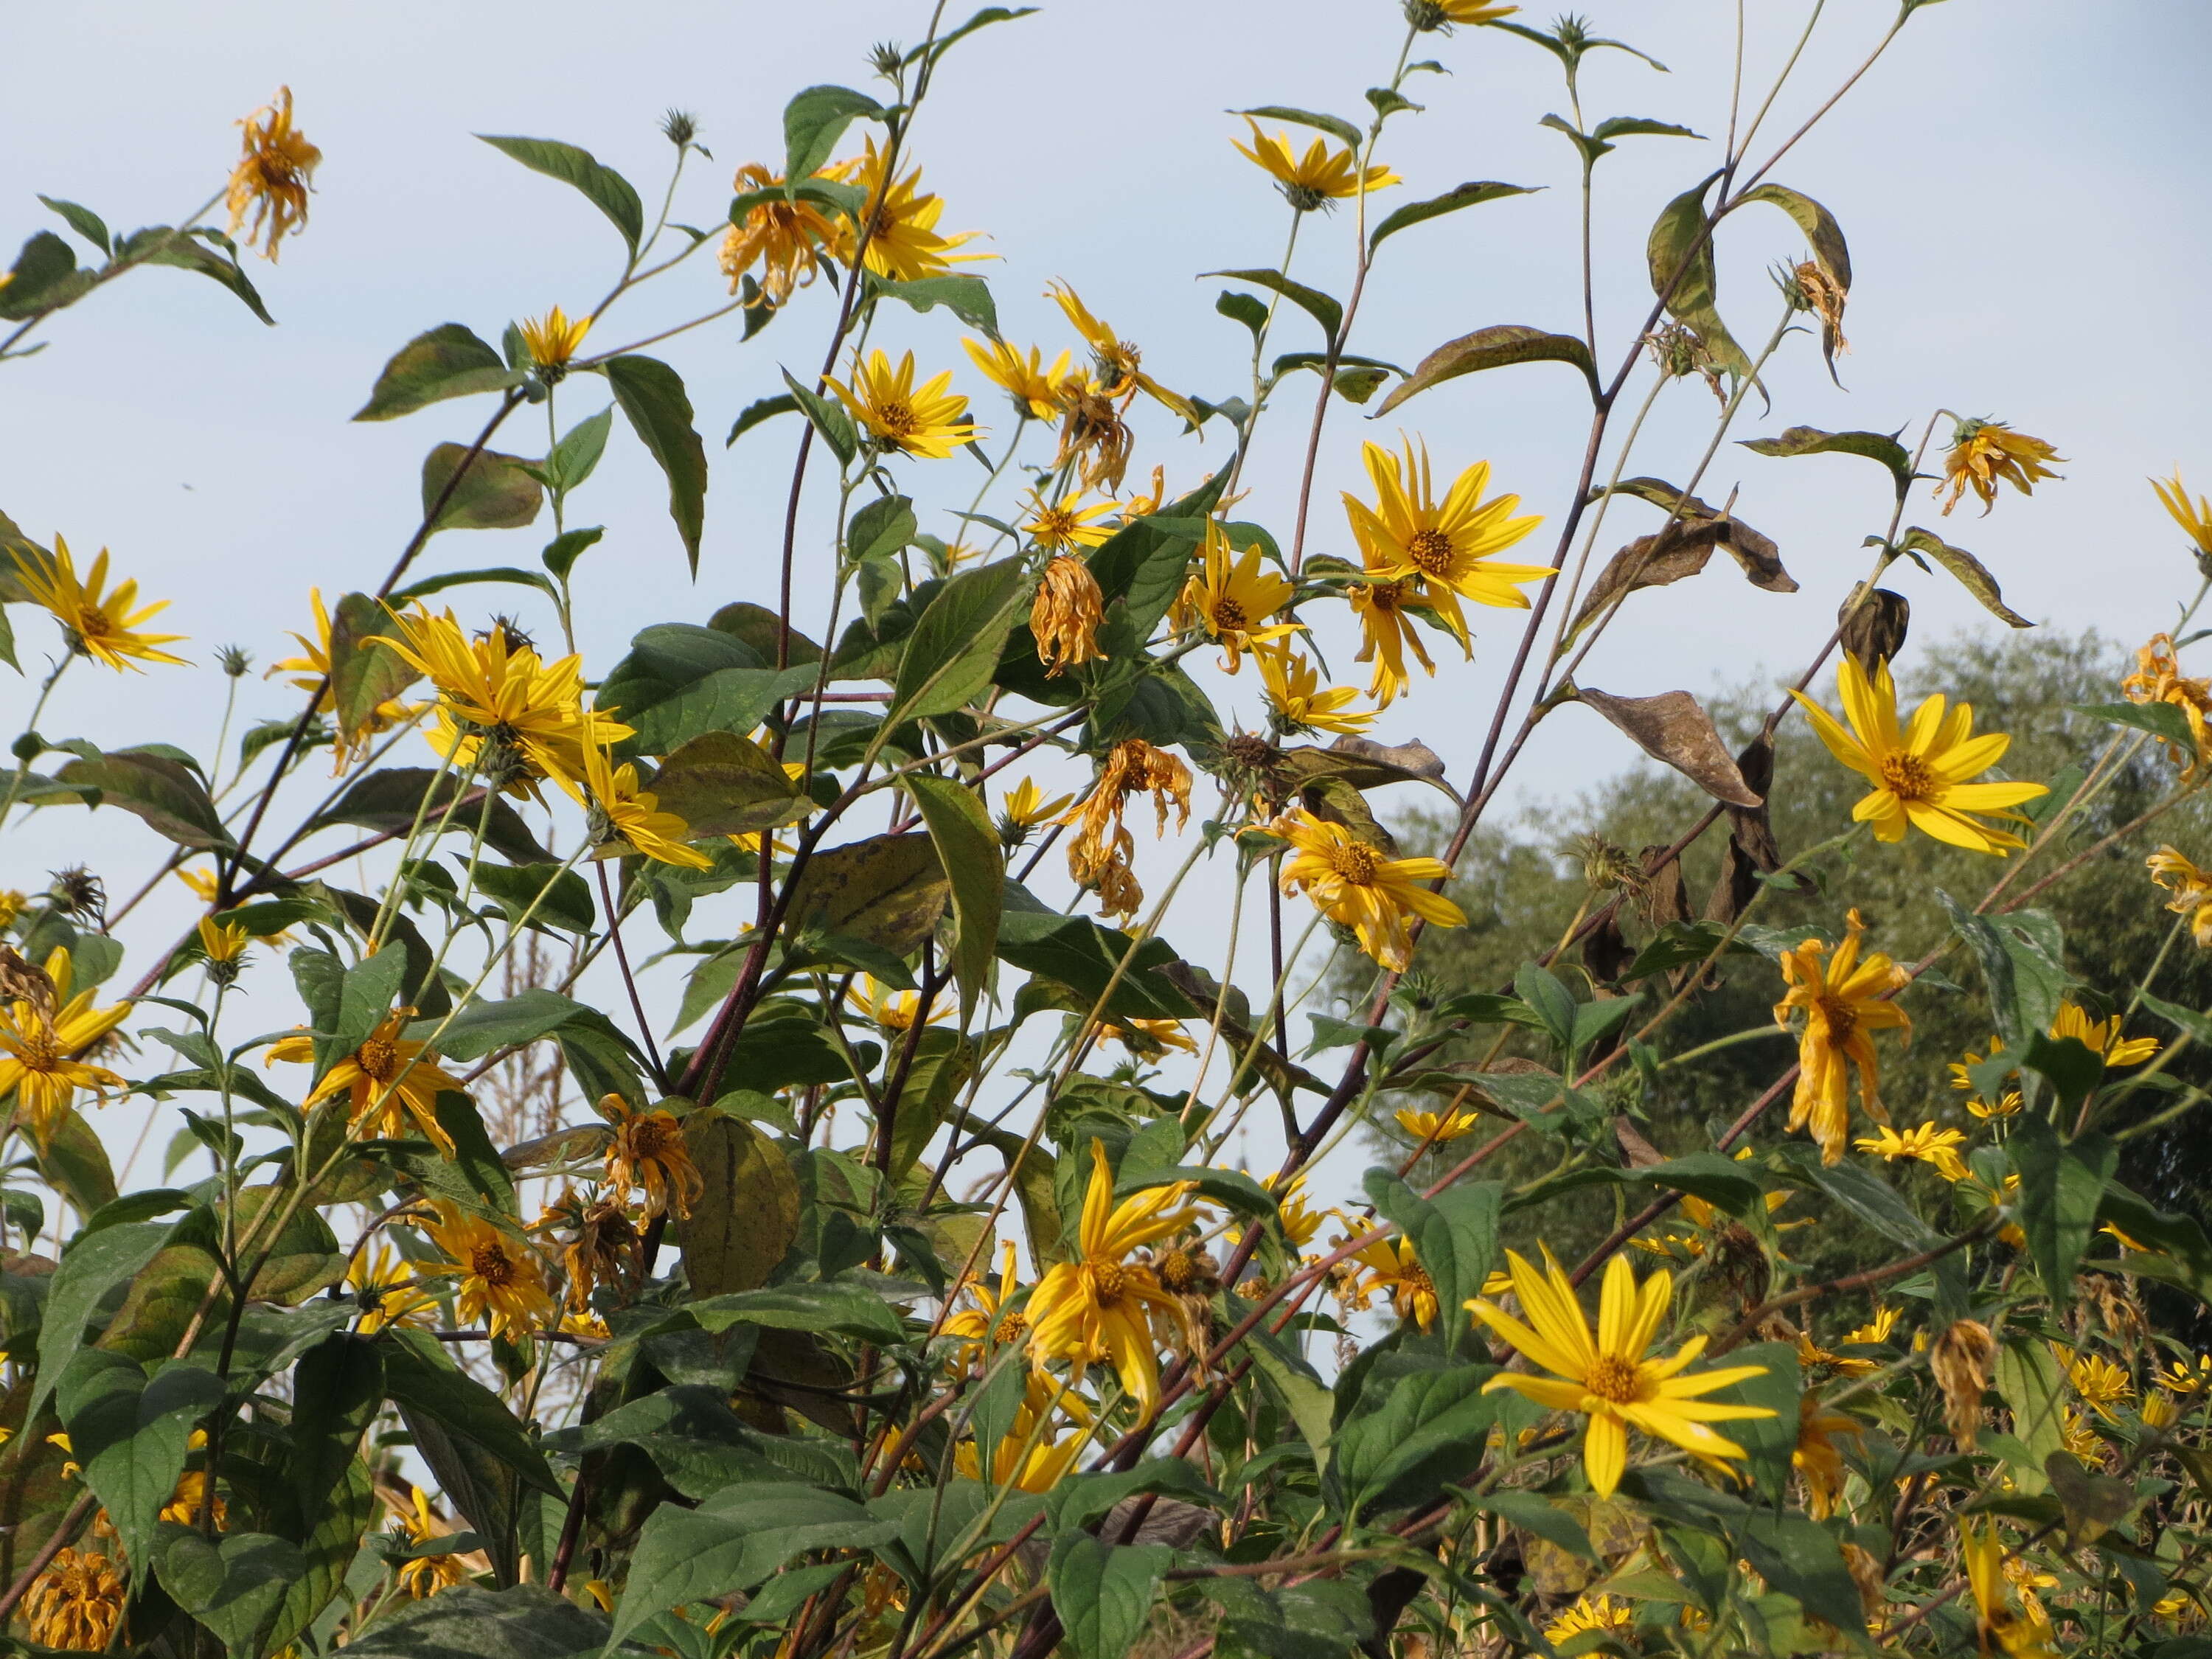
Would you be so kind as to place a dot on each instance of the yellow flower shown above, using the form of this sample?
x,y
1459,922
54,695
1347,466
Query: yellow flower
x,y
500,1280
1098,1307
2157,678
2160,1411
1066,615
1927,1143
101,626
184,1504
552,339
1393,1266
222,947
1592,1613
12,900
1148,1039
628,819
1121,365
424,1575
1353,883
1962,1079
2078,1437
2002,1630
1608,1379
1034,388
1232,602
1024,806
2184,1378
903,243
1294,692
2195,517
1844,1006
648,1152
1428,14
1878,1330
1038,1466
1098,854
1435,1127
270,183
385,1289
41,1049
2101,1036
1067,524
1320,176
1919,773
1443,547
2191,889
76,1603
1387,632
892,1010
313,666
393,1083
1300,1221
931,421
2100,1383
1986,452
787,240
991,1322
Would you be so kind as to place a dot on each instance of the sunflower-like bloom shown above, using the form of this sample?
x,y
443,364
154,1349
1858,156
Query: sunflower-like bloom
x,y
1148,1039
648,1153
76,1603
1607,1378
1319,177
1844,1004
1024,807
1920,773
1817,1456
903,243
1353,883
2191,889
2157,678
385,1289
931,420
1962,1078
41,1045
2001,1629
1300,704
1232,601
1876,1331
1435,1127
1427,16
1925,1145
2101,1036
423,1575
270,182
1984,454
991,1321
393,1084
1097,1308
2181,1377
313,668
1615,1617
222,949
889,1009
1066,615
1443,547
1387,632
1034,388
1099,854
2193,515
1121,366
2100,1383
1299,1220
501,708
1067,524
601,1247
100,625
1392,1265
628,819
551,340
787,240
496,1275
1030,1455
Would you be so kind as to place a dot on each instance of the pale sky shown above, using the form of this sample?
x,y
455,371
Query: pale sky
x,y
2020,183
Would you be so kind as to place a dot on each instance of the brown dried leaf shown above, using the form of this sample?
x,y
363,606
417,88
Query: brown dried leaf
x,y
1678,549
1874,627
1337,801
1672,727
1363,764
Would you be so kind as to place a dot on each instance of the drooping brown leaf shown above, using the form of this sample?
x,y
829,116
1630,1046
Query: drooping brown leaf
x,y
1751,850
1680,548
1334,799
1874,624
1363,764
1606,951
1673,727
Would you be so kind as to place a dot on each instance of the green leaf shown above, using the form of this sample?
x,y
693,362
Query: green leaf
x,y
496,491
1080,1500
2161,719
482,1027
1334,126
448,361
132,1436
561,553
2034,1388
423,1384
605,188
45,277
1454,1236
1822,233
337,1391
188,251
1770,1441
526,1622
721,784
823,1307
168,795
1079,953
2061,1189
828,418
954,650
1324,310
1304,1395
1103,1593
1243,308
968,298
1971,574
74,1162
365,673
553,897
81,220
814,121
1428,1430
967,848
2021,960
1878,1204
1474,193
386,801
576,456
1681,255
1535,1515
760,410
234,1588
988,16
2180,1238
732,702
365,995
881,527
652,394
744,1222
507,574
887,890
334,1531
1495,347
1882,447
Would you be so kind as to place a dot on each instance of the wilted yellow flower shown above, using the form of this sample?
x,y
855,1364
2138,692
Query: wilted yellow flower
x,y
1233,601
1320,176
648,1153
1960,1362
1592,1613
393,1082
1607,1377
498,1278
41,1049
2157,678
1842,1002
2101,1037
1098,855
628,819
2194,516
1063,525
890,1011
600,1247
1095,441
903,243
1034,387
271,183
1097,1308
552,339
424,1575
76,1603
786,238
313,666
1919,773
1120,364
1927,1143
101,626
1435,1127
930,421
1295,693
1354,884
1443,547
2100,1383
2191,889
1984,454
1066,615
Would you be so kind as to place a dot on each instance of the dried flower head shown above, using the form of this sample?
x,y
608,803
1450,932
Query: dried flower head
x,y
1960,1363
1984,454
1066,614
271,183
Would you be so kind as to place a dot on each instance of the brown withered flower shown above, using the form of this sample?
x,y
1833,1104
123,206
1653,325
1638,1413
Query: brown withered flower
x,y
270,184
648,1152
1099,856
1960,1362
1093,436
1066,615
1826,300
